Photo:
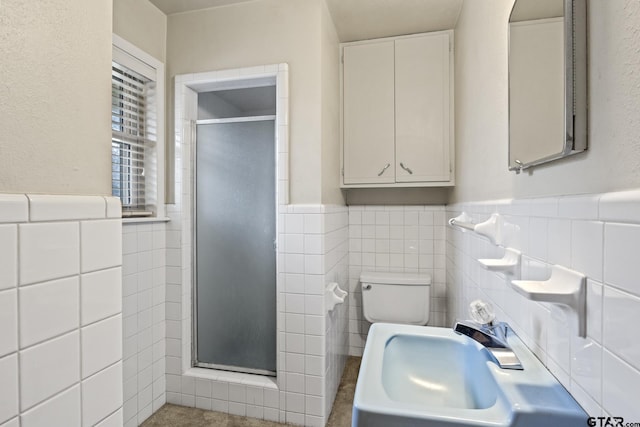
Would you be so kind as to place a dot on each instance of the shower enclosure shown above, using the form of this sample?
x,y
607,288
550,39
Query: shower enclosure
x,y
235,233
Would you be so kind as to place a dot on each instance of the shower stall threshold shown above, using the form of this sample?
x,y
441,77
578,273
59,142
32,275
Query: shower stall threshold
x,y
238,369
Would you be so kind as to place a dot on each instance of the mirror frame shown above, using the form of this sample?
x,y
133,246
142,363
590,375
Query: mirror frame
x,y
575,86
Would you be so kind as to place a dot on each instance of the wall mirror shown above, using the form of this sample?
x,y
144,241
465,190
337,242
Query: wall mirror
x,y
547,81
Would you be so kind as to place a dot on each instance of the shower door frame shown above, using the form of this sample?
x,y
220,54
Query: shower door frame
x,y
187,87
194,244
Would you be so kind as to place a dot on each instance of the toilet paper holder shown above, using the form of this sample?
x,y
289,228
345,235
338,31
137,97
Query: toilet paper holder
x,y
333,295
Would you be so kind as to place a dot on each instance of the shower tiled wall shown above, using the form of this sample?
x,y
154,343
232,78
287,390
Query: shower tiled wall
x,y
60,311
143,314
312,342
312,251
597,235
407,239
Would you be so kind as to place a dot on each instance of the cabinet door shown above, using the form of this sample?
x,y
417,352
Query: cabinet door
x,y
422,109
368,113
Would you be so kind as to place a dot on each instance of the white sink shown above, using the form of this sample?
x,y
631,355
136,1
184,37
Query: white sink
x,y
425,376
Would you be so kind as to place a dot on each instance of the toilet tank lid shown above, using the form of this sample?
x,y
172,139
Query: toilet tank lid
x,y
386,278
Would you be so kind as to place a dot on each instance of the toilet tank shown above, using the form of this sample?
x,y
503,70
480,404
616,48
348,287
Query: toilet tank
x,y
396,297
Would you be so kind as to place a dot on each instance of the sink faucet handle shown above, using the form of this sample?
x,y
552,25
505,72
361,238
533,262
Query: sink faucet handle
x,y
494,339
482,312
483,334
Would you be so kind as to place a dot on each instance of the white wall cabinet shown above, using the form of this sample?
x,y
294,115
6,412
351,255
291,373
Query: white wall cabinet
x,y
397,111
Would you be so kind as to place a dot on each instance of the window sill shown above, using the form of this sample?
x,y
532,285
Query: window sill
x,y
144,220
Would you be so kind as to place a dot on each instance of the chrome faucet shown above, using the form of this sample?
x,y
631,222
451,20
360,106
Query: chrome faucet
x,y
494,338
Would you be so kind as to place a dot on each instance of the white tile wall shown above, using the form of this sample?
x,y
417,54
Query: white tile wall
x,y
12,423
102,395
62,208
336,258
8,322
143,317
101,294
15,208
101,345
595,234
48,251
113,420
407,239
49,309
8,256
101,244
9,387
315,248
61,410
41,356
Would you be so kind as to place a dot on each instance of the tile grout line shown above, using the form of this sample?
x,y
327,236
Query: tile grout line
x,y
18,311
80,364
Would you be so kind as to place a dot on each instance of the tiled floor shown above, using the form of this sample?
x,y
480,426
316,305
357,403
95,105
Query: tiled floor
x,y
176,416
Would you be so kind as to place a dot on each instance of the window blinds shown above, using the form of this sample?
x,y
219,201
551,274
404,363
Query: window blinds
x,y
133,139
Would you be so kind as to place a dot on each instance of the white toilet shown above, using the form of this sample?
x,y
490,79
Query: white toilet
x,y
396,297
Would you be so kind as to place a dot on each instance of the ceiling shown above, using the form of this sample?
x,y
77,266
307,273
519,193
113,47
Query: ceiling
x,y
360,19
247,100
526,10
170,7
370,19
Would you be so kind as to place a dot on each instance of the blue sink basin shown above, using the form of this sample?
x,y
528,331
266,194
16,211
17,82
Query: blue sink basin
x,y
438,371
425,376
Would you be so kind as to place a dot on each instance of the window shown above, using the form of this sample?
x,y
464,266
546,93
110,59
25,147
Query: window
x,y
137,134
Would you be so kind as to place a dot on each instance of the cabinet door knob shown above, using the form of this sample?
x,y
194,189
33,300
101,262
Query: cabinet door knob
x,y
384,169
406,168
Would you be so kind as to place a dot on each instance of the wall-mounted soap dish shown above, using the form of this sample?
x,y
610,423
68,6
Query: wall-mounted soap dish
x,y
566,287
507,264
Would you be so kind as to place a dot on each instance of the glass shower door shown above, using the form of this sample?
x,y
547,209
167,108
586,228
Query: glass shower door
x,y
234,240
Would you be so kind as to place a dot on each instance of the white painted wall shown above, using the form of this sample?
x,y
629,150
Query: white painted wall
x,y
613,159
481,101
257,33
143,24
330,120
55,130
